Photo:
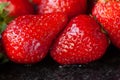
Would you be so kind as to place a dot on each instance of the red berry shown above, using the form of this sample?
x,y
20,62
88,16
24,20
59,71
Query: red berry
x,y
69,7
108,14
27,39
81,42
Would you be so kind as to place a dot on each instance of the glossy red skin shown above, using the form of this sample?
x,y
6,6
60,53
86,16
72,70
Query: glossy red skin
x,y
81,42
70,7
19,7
27,39
108,14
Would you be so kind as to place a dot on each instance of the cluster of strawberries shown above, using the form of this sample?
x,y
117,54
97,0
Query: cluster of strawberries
x,y
71,31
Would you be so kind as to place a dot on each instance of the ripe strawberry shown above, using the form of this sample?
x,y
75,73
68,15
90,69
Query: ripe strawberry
x,y
107,12
27,39
18,7
81,42
70,7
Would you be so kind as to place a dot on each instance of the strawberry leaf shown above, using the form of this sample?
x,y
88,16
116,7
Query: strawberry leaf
x,y
2,27
4,18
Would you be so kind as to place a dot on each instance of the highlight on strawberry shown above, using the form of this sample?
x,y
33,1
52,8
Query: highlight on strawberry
x,y
10,9
82,41
27,39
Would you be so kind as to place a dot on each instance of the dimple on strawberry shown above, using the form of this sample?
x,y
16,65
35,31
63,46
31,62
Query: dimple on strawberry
x,y
71,8
82,41
107,12
27,39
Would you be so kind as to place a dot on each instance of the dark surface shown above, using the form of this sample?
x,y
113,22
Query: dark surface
x,y
107,68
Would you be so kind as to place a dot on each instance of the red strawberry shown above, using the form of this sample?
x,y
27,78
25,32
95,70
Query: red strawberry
x,y
107,12
70,7
27,39
81,42
18,7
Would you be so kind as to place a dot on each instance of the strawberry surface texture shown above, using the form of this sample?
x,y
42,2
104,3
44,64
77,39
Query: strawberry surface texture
x,y
107,12
67,31
69,7
81,42
27,39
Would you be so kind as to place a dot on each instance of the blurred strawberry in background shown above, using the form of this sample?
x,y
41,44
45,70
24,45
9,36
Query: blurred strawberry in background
x,y
17,7
70,7
9,9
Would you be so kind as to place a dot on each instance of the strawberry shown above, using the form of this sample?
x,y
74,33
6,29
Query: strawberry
x,y
82,41
69,7
27,39
9,9
18,7
107,12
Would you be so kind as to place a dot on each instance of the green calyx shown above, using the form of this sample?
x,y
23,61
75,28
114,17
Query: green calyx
x,y
4,18
2,6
